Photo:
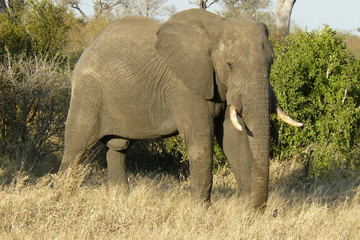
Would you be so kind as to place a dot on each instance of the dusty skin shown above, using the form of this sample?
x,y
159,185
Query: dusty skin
x,y
78,206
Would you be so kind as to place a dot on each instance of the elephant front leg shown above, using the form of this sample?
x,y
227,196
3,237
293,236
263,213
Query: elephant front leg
x,y
195,124
200,151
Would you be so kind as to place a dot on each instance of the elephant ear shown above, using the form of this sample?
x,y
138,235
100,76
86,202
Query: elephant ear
x,y
185,42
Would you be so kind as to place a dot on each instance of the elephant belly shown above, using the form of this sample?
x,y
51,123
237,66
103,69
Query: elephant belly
x,y
136,122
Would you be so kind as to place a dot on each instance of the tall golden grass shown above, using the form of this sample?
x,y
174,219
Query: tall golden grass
x,y
78,205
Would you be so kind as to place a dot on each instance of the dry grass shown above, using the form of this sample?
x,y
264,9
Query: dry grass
x,y
353,44
79,206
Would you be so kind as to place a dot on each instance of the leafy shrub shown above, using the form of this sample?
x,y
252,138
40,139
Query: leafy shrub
x,y
39,27
317,81
34,97
13,35
48,26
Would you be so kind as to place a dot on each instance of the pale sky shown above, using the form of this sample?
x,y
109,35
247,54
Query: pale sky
x,y
310,14
340,15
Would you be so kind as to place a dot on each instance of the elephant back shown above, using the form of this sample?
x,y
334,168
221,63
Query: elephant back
x,y
126,34
123,45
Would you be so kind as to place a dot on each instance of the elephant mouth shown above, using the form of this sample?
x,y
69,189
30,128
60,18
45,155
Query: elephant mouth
x,y
279,112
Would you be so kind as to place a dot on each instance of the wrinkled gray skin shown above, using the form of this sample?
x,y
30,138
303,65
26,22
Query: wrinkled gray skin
x,y
142,80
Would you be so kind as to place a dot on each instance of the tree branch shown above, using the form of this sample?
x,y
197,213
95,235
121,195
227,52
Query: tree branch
x,y
203,3
105,6
75,6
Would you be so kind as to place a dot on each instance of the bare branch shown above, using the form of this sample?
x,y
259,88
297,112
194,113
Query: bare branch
x,y
204,4
215,1
75,4
104,6
76,7
147,8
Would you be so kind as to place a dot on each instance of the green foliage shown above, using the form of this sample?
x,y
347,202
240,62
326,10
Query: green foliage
x,y
13,35
40,27
47,25
317,81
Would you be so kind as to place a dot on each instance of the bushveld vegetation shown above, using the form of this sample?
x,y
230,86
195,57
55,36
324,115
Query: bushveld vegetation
x,y
317,80
315,169
314,75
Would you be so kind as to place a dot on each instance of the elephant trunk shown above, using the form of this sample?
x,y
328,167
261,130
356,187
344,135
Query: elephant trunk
x,y
256,116
254,107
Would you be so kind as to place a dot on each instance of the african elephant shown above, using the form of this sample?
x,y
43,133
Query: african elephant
x,y
198,75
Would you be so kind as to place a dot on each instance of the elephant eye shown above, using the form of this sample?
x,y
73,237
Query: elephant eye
x,y
229,65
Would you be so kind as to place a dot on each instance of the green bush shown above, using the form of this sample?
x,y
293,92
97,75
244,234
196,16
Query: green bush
x,y
13,35
39,27
47,25
317,81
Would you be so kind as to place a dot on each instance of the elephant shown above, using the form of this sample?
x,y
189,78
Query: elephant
x,y
197,75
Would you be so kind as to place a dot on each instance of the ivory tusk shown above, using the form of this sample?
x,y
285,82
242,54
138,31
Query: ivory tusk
x,y
234,119
284,117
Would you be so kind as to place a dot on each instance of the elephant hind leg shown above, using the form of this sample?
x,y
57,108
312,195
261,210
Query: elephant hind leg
x,y
70,157
115,158
81,133
73,153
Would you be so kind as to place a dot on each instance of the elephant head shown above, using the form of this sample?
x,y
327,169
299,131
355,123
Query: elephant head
x,y
227,60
